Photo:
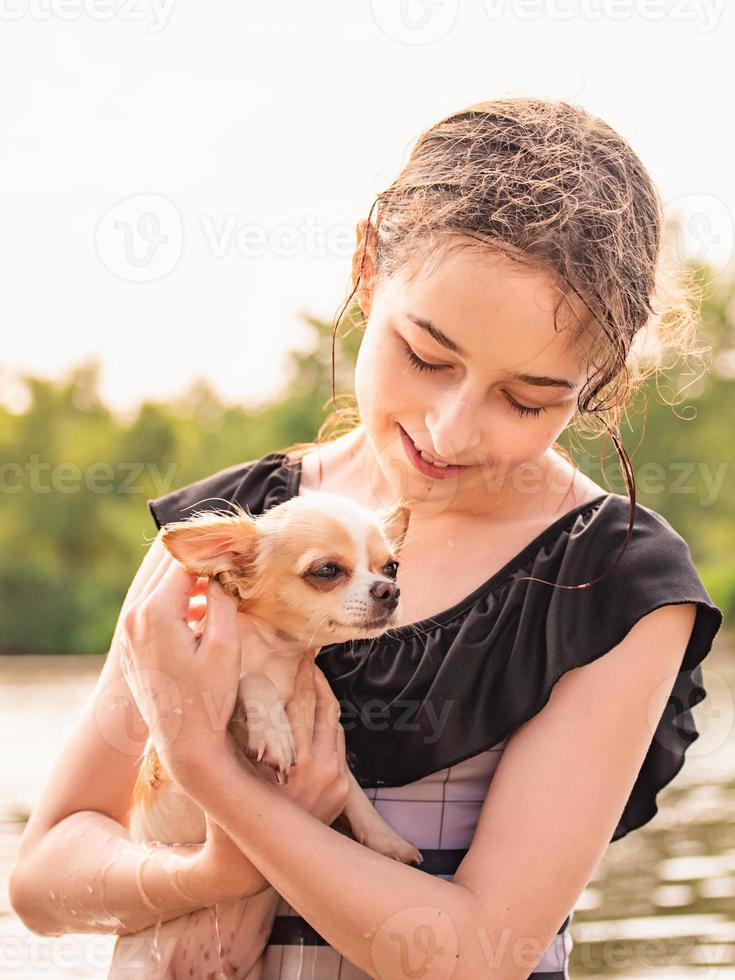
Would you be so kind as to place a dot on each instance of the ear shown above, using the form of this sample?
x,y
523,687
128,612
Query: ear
x,y
395,523
211,543
367,243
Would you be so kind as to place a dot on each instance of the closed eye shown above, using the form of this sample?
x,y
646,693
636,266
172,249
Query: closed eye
x,y
522,410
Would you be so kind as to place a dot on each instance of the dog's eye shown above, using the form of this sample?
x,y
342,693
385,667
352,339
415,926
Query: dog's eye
x,y
326,571
391,569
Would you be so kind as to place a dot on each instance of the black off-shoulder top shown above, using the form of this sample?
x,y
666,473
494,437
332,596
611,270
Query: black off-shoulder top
x,y
430,694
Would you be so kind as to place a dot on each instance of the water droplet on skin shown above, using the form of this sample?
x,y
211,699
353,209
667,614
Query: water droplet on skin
x,y
156,950
52,893
450,542
215,913
90,889
139,881
113,919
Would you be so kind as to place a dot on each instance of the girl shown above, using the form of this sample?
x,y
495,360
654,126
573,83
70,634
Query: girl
x,y
513,282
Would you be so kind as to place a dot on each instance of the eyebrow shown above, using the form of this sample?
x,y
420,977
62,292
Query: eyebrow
x,y
541,380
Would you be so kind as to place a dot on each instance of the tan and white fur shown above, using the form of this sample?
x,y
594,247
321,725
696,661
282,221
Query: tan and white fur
x,y
320,569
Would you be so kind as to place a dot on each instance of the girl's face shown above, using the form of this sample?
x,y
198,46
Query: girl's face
x,y
462,359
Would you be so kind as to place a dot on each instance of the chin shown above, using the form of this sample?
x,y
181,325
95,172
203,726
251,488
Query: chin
x,y
344,632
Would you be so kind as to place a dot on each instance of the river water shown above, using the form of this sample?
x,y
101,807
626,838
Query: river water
x,y
661,903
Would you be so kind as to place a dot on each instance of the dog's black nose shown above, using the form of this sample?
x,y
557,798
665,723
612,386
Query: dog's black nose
x,y
386,593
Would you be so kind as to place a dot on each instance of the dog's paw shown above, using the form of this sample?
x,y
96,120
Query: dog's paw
x,y
272,745
268,736
388,842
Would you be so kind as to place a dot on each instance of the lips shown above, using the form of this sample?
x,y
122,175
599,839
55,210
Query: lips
x,y
422,465
432,459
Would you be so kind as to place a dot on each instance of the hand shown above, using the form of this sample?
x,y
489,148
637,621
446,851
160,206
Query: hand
x,y
185,685
198,602
223,870
318,781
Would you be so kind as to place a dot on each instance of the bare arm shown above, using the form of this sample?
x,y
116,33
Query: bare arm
x,y
77,837
86,875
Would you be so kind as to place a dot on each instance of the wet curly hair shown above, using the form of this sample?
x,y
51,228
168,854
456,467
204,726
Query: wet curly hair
x,y
551,186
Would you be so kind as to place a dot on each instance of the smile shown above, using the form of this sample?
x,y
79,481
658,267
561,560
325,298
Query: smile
x,y
435,471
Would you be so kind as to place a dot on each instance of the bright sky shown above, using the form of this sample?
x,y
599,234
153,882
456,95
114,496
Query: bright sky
x,y
182,181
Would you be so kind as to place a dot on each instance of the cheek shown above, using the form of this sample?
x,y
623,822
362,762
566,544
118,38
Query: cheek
x,y
544,434
525,439
382,377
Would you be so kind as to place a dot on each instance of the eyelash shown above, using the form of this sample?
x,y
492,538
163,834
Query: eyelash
x,y
522,410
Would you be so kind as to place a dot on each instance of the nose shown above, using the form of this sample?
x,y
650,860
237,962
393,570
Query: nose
x,y
385,593
453,426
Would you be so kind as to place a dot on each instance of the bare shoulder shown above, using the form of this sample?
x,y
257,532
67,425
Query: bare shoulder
x,y
324,467
570,487
310,470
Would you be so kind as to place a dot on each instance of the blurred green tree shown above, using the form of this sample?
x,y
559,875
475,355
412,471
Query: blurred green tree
x,y
74,478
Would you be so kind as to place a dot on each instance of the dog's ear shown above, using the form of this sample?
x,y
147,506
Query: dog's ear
x,y
395,521
211,543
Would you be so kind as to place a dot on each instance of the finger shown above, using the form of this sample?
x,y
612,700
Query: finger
x,y
150,572
197,610
304,679
303,699
221,624
170,597
326,714
342,751
300,708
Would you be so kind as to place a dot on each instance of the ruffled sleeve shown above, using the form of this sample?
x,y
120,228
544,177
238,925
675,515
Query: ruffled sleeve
x,y
581,625
256,485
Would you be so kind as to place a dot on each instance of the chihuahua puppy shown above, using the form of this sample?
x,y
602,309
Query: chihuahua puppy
x,y
319,569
